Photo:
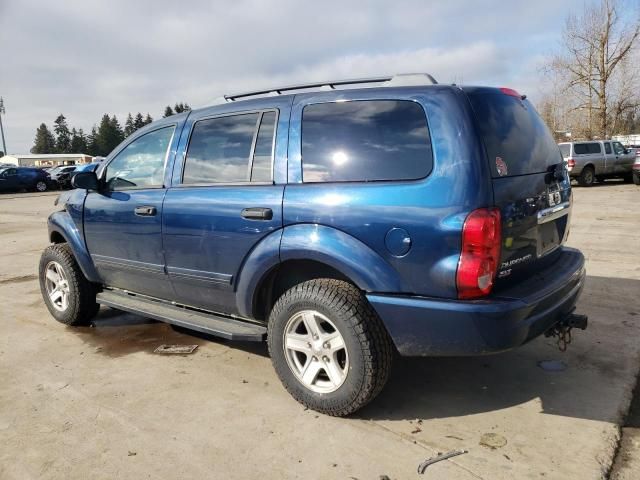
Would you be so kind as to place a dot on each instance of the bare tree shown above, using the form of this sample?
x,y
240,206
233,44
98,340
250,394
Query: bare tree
x,y
599,80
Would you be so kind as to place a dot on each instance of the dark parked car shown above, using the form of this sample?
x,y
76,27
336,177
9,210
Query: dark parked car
x,y
24,178
340,224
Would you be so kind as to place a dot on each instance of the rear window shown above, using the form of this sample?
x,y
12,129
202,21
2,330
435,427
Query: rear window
x,y
365,140
565,150
516,139
586,148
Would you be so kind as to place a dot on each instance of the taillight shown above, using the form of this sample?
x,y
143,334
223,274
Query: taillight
x,y
480,255
512,93
571,162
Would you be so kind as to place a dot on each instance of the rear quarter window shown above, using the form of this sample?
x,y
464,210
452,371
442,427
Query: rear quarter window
x,y
365,140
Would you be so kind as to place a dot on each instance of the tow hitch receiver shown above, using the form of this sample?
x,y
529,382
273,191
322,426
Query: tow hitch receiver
x,y
562,329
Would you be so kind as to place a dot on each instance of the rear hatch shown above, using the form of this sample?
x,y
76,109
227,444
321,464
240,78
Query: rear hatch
x,y
530,183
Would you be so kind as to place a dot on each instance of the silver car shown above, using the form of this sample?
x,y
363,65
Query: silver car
x,y
593,160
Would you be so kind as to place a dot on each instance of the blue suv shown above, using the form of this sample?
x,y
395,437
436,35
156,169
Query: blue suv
x,y
342,221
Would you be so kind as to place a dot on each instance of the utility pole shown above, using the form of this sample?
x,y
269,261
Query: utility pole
x,y
4,143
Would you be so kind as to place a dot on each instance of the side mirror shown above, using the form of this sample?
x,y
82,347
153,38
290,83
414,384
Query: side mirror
x,y
85,180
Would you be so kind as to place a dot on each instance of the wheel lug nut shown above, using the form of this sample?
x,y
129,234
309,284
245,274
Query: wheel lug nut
x,y
326,345
309,344
315,359
325,358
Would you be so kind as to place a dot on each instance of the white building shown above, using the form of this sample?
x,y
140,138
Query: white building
x,y
47,159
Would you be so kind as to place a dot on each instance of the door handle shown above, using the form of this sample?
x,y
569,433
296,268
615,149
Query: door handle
x,y
257,213
145,211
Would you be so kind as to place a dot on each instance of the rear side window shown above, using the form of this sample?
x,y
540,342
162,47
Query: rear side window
x,y
607,147
516,139
226,149
365,141
587,148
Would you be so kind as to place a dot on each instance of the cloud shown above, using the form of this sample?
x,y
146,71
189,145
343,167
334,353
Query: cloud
x,y
85,58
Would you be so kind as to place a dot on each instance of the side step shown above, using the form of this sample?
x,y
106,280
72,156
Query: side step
x,y
225,327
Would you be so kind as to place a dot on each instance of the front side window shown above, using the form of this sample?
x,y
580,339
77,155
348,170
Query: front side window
x,y
365,141
618,148
141,163
231,149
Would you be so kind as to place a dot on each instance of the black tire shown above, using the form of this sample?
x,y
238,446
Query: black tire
x,y
587,176
367,344
81,298
40,186
628,178
636,178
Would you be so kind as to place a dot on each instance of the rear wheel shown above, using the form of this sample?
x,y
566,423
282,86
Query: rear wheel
x,y
587,177
41,186
328,346
69,296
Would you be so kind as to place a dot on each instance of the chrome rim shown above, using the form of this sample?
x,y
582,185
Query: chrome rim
x,y
41,186
588,176
315,351
57,286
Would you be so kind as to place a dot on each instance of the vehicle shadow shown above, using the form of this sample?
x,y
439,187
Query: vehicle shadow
x,y
601,367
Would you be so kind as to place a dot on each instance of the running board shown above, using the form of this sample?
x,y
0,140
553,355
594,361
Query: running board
x,y
225,327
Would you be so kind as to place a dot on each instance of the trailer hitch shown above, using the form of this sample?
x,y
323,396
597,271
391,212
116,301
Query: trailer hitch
x,y
562,329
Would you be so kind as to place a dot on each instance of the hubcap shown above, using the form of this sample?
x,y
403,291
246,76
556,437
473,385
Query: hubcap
x,y
315,351
41,186
57,286
588,177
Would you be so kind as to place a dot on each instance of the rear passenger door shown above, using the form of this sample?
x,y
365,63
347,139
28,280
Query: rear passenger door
x,y
609,158
225,198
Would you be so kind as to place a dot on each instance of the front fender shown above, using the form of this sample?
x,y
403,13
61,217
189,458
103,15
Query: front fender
x,y
355,260
62,223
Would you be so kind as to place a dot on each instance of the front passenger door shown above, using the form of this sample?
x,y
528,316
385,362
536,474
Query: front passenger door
x,y
123,221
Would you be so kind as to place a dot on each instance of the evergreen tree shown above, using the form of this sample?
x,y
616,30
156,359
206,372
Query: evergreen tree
x,y
92,146
148,119
108,135
168,111
117,130
63,135
78,141
129,127
181,107
139,121
44,141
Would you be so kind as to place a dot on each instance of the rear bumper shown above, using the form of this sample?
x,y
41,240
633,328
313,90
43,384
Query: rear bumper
x,y
422,326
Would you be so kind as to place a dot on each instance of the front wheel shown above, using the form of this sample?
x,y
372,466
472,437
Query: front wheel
x,y
328,346
69,296
41,186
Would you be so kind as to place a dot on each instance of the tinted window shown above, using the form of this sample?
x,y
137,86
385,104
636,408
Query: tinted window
x,y
262,158
514,135
607,147
581,149
594,148
141,163
219,149
365,141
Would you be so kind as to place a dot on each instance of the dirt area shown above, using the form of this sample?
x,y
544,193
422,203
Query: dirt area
x,y
96,402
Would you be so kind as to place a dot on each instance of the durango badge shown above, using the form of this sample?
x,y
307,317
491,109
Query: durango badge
x,y
501,166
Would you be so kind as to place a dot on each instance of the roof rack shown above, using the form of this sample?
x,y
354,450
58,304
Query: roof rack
x,y
398,80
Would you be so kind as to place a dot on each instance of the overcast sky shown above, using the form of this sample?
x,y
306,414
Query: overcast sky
x,y
84,58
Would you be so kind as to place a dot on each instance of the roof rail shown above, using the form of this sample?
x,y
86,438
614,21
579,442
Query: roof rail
x,y
398,80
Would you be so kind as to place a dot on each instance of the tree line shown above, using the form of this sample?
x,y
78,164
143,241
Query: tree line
x,y
593,82
102,139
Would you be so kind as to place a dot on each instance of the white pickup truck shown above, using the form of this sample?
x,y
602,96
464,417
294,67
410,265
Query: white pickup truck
x,y
593,160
